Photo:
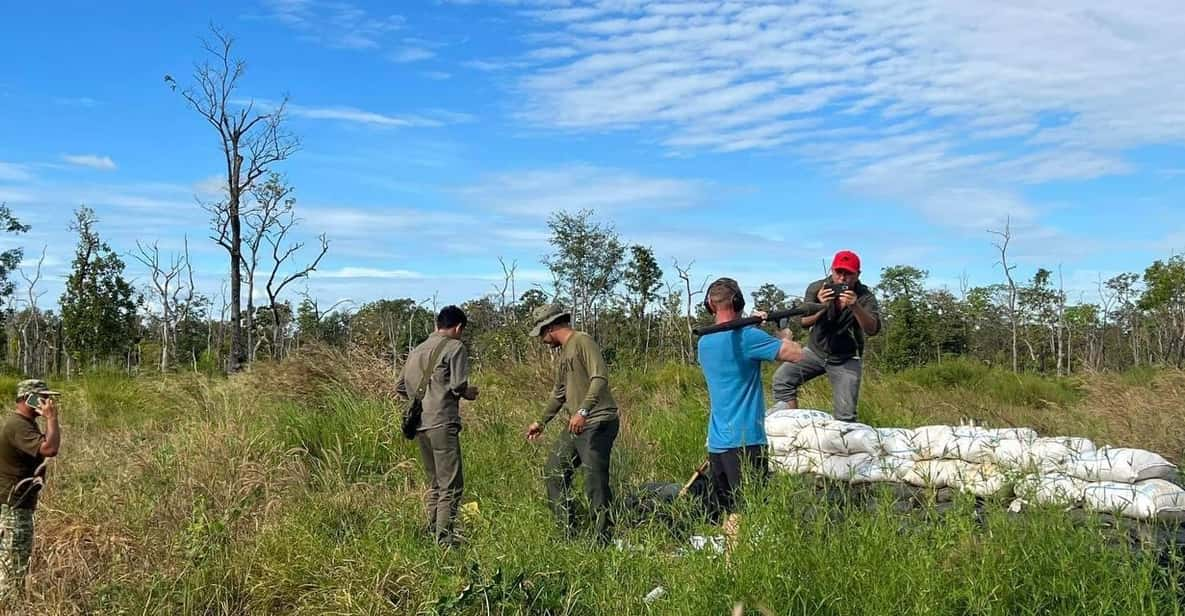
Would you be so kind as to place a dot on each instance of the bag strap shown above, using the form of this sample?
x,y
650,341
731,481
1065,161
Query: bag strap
x,y
433,360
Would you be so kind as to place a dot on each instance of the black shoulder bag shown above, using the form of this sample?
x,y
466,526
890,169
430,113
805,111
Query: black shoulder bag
x,y
415,410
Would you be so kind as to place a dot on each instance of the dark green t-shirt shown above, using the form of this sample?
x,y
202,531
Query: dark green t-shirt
x,y
837,336
581,381
20,461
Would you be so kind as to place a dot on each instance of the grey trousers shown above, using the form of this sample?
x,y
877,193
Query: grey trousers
x,y
440,449
844,377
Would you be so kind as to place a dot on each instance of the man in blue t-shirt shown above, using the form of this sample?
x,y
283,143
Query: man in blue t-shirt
x,y
731,361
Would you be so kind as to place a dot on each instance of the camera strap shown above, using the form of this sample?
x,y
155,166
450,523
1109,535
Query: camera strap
x,y
433,360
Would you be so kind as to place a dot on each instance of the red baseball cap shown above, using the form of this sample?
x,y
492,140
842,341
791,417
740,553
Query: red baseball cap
x,y
846,260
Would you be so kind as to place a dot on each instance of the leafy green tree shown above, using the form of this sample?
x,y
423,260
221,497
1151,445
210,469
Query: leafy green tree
x,y
1164,296
98,305
586,264
907,339
9,260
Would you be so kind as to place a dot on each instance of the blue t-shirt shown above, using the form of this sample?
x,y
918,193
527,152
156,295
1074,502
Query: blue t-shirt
x,y
732,367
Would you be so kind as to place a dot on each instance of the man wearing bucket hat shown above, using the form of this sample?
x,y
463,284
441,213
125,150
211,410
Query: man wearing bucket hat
x,y
836,337
23,450
582,386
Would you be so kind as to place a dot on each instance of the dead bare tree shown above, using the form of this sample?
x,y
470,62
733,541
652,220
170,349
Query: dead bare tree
x,y
1002,246
32,317
685,276
172,290
271,201
507,284
276,282
251,144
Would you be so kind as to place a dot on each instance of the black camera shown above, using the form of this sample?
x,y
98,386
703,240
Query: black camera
x,y
838,288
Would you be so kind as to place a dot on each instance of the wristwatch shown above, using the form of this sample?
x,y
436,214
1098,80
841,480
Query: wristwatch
x,y
582,412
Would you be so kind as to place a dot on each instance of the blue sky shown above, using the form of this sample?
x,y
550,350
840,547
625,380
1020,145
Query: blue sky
x,y
753,138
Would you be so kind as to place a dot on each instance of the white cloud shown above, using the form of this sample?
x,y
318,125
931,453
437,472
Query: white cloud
x,y
412,54
211,186
437,75
539,192
368,272
359,116
334,23
12,172
79,101
919,100
102,163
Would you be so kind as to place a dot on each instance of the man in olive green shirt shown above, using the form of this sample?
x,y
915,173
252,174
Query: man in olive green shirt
x,y
581,385
23,451
444,358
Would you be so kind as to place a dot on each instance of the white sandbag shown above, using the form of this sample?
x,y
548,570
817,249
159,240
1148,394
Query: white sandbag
x,y
932,473
894,468
980,479
855,468
932,441
1048,455
780,445
838,437
1019,434
797,463
1053,489
898,443
1145,500
1059,449
1122,465
788,422
971,445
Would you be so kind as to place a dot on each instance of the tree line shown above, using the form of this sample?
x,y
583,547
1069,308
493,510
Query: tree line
x,y
619,292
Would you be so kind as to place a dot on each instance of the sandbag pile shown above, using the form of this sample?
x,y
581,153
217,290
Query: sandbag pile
x,y
985,462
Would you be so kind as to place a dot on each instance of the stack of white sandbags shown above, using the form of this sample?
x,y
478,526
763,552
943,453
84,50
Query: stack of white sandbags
x,y
981,461
1130,482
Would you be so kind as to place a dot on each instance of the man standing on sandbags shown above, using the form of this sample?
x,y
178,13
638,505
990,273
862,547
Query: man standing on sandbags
x,y
731,362
837,335
443,362
581,385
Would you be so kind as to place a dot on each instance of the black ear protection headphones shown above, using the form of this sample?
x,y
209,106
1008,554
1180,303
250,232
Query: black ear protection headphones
x,y
738,298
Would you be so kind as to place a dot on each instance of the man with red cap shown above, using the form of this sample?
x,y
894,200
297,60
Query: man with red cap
x,y
837,335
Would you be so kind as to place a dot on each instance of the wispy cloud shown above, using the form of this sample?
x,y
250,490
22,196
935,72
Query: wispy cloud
x,y
945,98
359,116
79,101
539,192
369,272
411,54
102,163
335,24
13,172
354,115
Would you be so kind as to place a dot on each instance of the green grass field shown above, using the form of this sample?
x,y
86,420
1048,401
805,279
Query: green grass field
x,y
289,491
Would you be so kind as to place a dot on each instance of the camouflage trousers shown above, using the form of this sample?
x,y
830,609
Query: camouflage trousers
x,y
16,545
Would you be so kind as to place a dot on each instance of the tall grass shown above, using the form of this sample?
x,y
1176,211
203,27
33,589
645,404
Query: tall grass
x,y
290,491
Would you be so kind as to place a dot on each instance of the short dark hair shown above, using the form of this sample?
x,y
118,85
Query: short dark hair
x,y
451,316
